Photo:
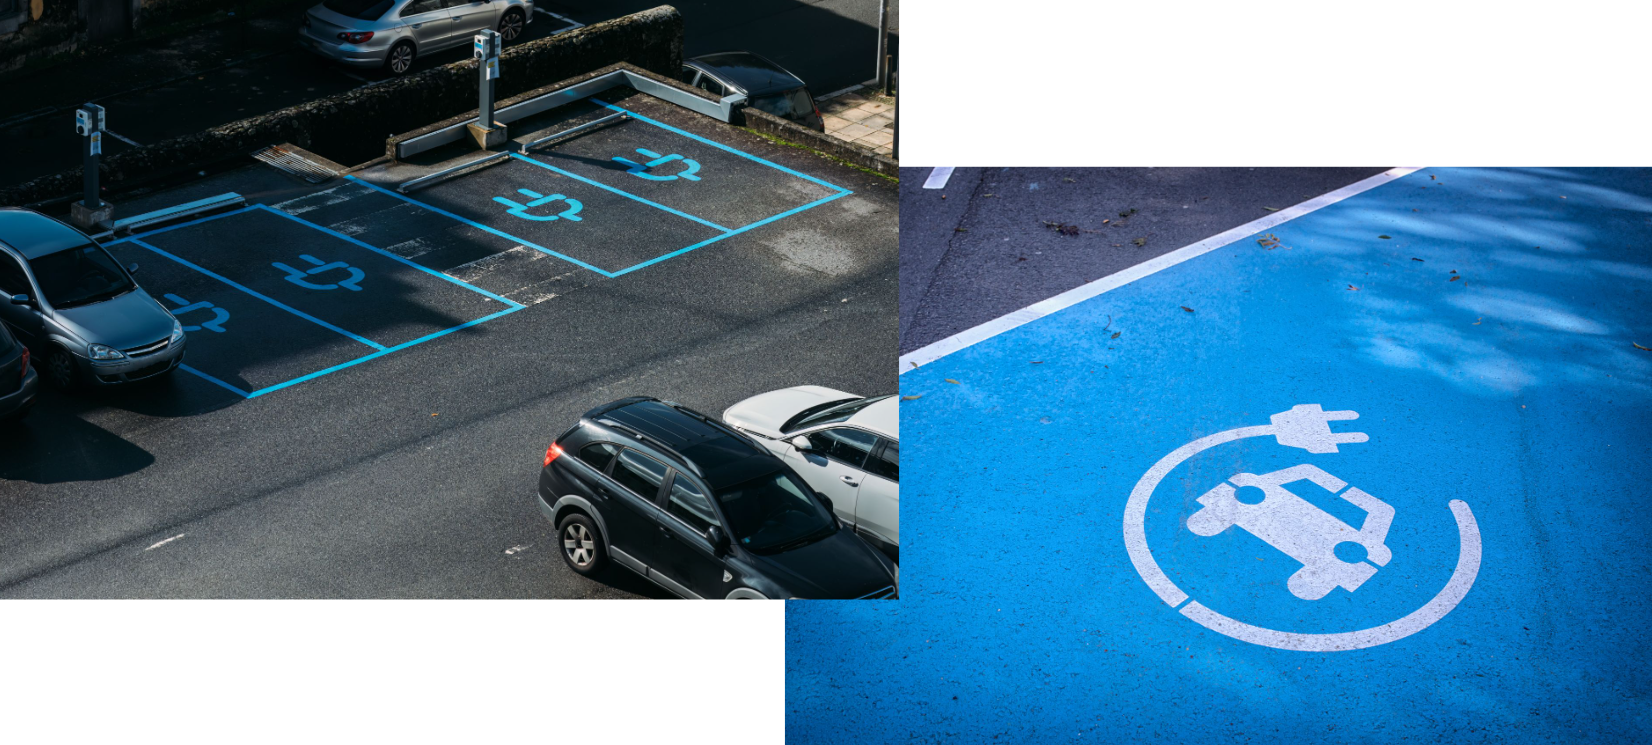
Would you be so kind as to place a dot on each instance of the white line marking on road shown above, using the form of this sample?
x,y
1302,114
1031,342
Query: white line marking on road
x,y
517,549
169,540
472,270
938,178
919,357
319,199
128,141
573,24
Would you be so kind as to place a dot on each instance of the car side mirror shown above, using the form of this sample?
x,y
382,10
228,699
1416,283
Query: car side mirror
x,y
132,268
21,300
719,539
801,443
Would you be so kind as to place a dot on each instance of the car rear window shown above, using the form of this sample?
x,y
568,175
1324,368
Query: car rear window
x,y
793,104
364,10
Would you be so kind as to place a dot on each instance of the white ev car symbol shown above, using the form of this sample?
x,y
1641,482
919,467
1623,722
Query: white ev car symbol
x,y
1298,528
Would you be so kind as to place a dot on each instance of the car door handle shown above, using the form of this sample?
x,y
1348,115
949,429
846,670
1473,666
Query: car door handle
x,y
850,480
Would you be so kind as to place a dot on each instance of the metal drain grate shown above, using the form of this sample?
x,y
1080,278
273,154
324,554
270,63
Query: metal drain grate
x,y
295,164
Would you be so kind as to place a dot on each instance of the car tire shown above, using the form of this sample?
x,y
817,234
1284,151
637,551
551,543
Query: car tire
x,y
512,25
399,60
60,370
581,544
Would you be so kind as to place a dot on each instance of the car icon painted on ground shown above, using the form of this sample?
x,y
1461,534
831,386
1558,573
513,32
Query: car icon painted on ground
x,y
79,310
847,447
699,509
392,33
768,87
18,380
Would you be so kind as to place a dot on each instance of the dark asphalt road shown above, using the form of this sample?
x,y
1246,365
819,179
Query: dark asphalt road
x,y
990,242
413,474
176,86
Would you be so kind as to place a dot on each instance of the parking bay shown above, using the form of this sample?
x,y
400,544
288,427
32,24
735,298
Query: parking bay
x,y
427,452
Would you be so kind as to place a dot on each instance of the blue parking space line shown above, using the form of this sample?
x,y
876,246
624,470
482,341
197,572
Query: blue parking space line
x,y
387,254
250,291
197,221
736,231
485,228
378,354
718,145
214,381
625,194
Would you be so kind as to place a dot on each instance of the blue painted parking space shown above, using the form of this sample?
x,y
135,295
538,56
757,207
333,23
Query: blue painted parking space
x,y
623,198
1372,475
270,300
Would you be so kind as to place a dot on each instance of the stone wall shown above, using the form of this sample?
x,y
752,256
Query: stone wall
x,y
45,28
351,127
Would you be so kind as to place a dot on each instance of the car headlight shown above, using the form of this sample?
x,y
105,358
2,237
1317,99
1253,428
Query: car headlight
x,y
177,331
101,352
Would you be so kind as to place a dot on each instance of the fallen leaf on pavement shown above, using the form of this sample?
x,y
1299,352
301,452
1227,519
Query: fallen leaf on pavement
x,y
1478,320
1140,241
1637,346
1271,209
954,382
1386,237
1038,362
1454,279
1415,259
912,398
1190,310
1115,335
1355,289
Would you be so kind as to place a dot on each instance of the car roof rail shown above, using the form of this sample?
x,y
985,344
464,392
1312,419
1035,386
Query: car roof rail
x,y
718,425
652,442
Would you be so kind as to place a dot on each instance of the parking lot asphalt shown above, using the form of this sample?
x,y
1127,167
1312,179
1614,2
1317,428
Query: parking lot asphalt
x,y
1371,473
371,418
992,241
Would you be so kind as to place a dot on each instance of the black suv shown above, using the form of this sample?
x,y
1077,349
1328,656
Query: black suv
x,y
699,509
17,379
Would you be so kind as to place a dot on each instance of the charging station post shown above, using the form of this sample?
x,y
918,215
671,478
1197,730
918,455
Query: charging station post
x,y
487,133
91,212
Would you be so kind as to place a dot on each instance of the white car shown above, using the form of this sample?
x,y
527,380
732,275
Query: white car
x,y
847,447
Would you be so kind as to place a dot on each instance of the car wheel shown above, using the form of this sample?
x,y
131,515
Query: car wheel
x,y
581,544
60,370
511,25
400,58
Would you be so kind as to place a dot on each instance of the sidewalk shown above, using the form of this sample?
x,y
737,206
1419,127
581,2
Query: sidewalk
x,y
863,117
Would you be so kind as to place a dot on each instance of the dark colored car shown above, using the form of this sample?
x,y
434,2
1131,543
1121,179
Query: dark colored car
x,y
17,379
699,509
768,86
78,309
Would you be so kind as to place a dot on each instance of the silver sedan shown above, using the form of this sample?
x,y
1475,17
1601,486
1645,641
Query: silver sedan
x,y
392,33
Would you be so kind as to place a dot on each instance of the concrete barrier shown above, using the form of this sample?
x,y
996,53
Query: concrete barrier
x,y
351,127
774,126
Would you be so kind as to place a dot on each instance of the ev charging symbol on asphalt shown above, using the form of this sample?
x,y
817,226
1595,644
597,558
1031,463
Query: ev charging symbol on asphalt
x,y
640,170
1332,553
219,315
518,209
297,276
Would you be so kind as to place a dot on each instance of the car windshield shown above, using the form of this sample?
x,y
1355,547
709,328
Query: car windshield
x,y
79,276
364,10
832,414
774,512
793,104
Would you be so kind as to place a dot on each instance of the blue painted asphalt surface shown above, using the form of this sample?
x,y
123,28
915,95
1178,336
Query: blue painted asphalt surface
x,y
1515,388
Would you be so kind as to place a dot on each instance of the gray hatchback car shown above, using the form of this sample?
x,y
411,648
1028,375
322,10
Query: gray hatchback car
x,y
78,309
392,33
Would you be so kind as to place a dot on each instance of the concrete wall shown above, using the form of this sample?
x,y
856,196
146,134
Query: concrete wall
x,y
351,127
775,126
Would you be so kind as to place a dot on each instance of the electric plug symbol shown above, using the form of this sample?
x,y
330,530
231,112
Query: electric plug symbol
x,y
640,170
297,276
1308,427
521,210
219,315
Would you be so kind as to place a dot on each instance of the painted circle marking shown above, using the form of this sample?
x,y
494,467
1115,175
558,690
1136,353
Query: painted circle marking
x,y
1135,542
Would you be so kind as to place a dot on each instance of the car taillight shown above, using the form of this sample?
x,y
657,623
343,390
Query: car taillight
x,y
25,362
356,37
552,452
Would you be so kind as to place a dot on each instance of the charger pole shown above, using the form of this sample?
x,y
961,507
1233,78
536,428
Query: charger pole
x,y
91,212
485,50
